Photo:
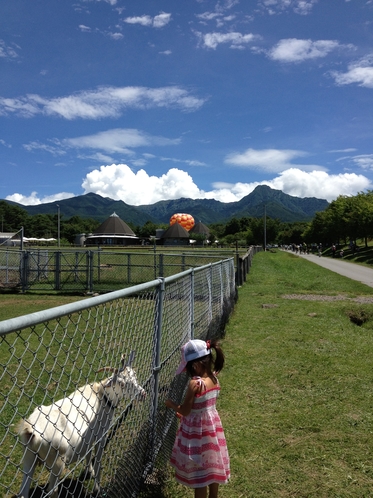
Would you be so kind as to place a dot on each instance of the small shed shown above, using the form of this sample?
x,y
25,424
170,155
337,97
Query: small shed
x,y
9,239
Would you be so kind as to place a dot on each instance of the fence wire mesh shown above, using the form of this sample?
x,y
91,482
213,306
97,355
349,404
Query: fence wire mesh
x,y
58,354
94,270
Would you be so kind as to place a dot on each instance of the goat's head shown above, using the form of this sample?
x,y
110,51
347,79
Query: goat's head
x,y
128,383
123,383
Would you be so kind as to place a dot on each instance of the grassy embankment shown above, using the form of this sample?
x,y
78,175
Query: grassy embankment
x,y
296,399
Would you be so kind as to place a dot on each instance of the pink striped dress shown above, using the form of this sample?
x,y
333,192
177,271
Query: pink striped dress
x,y
200,455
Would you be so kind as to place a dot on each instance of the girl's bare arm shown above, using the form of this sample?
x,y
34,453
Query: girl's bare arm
x,y
185,408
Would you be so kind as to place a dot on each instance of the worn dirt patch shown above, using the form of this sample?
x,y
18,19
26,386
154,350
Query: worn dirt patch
x,y
320,297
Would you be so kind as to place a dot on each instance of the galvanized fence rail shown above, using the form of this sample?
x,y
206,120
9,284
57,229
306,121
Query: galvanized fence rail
x,y
47,355
94,270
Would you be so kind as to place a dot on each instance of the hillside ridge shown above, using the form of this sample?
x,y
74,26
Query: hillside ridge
x,y
275,203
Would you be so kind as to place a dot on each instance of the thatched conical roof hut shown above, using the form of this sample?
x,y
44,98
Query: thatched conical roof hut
x,y
175,235
113,231
200,229
114,226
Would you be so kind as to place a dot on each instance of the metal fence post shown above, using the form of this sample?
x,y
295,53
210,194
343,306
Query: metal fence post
x,y
76,269
239,269
98,266
161,265
192,304
210,293
24,264
90,271
156,364
57,270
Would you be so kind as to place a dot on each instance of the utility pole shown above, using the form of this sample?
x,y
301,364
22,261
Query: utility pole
x,y
58,225
265,227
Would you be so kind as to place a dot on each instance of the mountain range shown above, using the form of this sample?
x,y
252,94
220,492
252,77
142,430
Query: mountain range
x,y
263,199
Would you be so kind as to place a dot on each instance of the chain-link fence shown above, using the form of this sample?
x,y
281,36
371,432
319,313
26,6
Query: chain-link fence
x,y
48,354
94,270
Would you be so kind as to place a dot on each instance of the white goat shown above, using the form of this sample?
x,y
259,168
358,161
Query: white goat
x,y
65,431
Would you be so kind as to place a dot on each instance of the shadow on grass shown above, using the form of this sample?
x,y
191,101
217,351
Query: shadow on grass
x,y
69,488
362,255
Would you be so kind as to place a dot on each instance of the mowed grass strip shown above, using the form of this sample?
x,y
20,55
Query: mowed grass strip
x,y
296,400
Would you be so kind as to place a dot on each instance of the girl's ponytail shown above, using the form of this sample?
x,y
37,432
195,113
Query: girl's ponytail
x,y
219,356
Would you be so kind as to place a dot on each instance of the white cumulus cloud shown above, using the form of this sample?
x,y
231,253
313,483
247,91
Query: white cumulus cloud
x,y
143,20
270,160
158,21
84,29
302,7
319,184
111,2
364,161
103,102
296,50
34,199
7,51
120,182
234,39
120,140
360,73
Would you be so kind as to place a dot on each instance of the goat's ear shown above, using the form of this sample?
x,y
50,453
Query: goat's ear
x,y
112,380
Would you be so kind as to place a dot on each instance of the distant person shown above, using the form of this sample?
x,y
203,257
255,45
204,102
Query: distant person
x,y
334,249
200,455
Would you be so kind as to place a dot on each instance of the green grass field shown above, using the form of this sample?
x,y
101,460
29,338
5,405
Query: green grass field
x,y
296,400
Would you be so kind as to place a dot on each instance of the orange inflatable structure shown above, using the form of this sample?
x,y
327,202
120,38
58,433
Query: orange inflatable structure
x,y
185,220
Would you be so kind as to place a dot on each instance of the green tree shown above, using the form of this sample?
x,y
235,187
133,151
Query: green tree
x,y
232,227
12,218
361,217
218,229
317,232
75,225
41,225
291,233
147,230
271,230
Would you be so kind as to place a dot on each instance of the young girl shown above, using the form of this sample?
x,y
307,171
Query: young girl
x,y
200,456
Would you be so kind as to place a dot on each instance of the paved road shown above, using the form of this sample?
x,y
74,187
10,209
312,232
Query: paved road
x,y
350,270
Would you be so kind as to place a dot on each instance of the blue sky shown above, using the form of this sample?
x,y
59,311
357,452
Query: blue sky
x,y
144,100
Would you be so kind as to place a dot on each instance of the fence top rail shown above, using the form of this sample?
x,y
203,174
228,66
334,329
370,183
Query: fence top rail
x,y
21,322
172,278
159,250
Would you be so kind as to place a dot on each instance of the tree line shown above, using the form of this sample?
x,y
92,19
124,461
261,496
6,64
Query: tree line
x,y
346,219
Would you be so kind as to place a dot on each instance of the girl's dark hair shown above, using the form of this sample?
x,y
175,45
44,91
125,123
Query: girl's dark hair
x,y
209,362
